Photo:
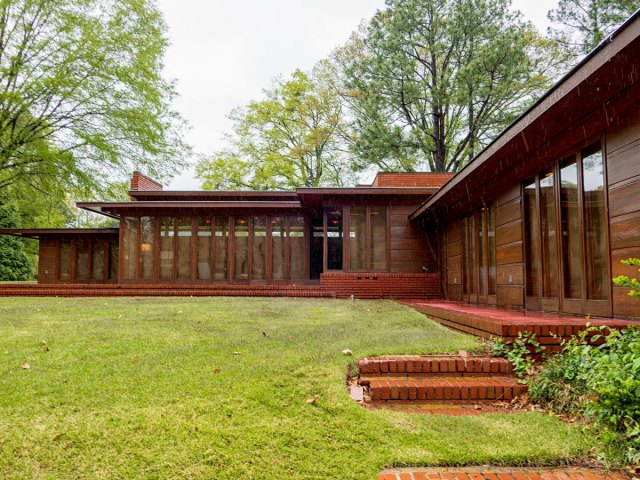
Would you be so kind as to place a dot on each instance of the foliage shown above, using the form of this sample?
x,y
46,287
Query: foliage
x,y
81,92
519,351
580,25
632,283
141,388
14,263
602,383
289,139
431,82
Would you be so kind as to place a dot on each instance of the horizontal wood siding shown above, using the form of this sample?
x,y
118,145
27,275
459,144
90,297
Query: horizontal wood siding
x,y
47,260
453,249
411,246
623,172
509,253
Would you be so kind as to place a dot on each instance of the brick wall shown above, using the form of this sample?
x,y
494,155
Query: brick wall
x,y
382,285
142,182
416,179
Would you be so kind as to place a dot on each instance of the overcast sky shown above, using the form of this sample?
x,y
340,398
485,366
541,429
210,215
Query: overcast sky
x,y
223,53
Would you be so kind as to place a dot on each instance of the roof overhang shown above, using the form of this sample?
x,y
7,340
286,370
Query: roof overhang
x,y
602,88
48,232
116,209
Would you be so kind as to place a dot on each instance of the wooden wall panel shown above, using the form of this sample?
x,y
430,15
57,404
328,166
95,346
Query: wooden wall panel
x,y
410,247
623,173
47,260
453,248
509,248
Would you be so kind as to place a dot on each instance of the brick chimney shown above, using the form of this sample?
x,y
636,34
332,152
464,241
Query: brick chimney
x,y
144,183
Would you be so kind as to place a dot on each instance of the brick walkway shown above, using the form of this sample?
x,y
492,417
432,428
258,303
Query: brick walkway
x,y
488,473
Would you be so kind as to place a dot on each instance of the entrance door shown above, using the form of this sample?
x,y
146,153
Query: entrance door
x,y
316,253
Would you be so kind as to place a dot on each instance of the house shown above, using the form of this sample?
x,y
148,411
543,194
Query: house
x,y
539,220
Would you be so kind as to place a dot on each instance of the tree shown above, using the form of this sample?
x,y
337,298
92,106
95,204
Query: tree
x,y
81,91
291,138
14,263
432,81
580,25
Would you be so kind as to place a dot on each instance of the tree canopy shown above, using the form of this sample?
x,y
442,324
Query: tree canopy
x,y
580,25
14,262
290,138
81,92
430,82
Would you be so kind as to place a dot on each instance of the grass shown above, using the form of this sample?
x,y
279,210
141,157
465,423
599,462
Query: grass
x,y
151,388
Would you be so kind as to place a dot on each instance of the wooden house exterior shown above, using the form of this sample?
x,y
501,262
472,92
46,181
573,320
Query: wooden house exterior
x,y
538,221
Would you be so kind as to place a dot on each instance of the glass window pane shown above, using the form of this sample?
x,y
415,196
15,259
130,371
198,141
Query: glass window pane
x,y
203,270
64,271
241,248
491,248
129,246
184,248
113,259
571,248
167,252
470,256
221,245
278,248
296,236
334,239
259,248
531,238
549,238
82,259
379,239
481,226
357,238
97,260
147,234
595,225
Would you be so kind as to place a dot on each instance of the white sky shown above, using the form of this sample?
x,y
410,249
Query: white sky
x,y
223,53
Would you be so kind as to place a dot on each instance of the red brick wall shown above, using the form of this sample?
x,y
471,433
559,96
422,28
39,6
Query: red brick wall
x,y
382,285
142,182
419,179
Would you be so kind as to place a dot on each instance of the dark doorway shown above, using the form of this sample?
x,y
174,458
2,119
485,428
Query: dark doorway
x,y
316,256
334,239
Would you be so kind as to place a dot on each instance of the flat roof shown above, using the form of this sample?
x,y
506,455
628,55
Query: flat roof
x,y
41,232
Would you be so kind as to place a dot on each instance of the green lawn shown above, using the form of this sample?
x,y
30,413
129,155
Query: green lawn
x,y
151,388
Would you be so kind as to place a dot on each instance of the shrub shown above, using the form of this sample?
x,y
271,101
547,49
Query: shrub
x,y
632,283
519,351
600,383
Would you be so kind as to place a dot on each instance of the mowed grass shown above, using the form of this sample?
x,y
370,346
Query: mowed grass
x,y
151,388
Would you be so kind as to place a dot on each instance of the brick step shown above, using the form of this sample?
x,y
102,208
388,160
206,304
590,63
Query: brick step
x,y
440,365
469,389
492,473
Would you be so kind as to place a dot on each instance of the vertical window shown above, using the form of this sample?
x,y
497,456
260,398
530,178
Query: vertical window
x,y
379,239
481,228
113,259
491,251
147,234
64,271
129,247
469,255
221,245
296,238
241,248
334,239
167,249
531,238
357,238
203,248
571,246
259,249
184,248
549,237
82,259
596,254
278,248
97,260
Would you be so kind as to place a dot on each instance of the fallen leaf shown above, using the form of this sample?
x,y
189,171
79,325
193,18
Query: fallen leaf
x,y
58,437
26,365
346,351
235,353
312,400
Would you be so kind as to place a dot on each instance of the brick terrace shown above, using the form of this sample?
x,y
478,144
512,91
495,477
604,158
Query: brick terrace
x,y
488,473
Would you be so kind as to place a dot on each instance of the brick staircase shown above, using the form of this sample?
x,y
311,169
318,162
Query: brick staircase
x,y
451,384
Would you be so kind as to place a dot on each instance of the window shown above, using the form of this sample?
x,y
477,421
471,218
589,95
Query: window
x,y
167,248
241,248
278,248
571,242
334,239
531,238
549,240
203,249
259,248
64,270
129,227
221,246
98,249
296,239
184,249
147,242
378,219
357,239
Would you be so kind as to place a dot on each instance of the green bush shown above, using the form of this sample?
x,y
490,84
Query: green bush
x,y
632,283
519,351
600,383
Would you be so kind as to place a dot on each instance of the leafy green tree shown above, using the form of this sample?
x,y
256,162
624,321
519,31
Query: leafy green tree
x,y
580,25
432,81
14,263
81,91
291,138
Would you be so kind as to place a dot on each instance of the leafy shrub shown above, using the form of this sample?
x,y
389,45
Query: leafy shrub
x,y
632,283
600,383
519,351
